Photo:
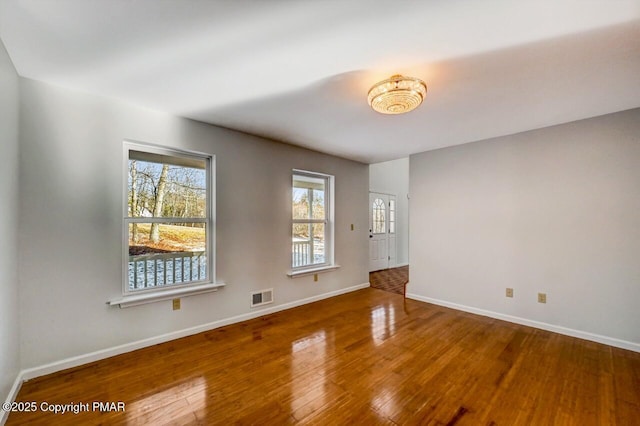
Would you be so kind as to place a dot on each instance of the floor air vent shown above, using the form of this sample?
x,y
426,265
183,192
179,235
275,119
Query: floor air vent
x,y
262,297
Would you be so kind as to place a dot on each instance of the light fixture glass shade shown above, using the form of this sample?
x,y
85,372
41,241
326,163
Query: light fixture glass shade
x,y
397,94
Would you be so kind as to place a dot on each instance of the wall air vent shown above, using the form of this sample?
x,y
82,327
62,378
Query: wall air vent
x,y
262,297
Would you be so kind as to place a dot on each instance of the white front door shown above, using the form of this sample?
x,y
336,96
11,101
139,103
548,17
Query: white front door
x,y
382,242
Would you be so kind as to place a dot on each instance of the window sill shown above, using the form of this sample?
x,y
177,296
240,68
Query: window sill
x,y
310,271
141,299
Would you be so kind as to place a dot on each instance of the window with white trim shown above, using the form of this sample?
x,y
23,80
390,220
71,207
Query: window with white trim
x,y
392,216
312,221
168,225
379,216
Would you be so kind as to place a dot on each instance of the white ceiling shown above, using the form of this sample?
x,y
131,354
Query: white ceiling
x,y
299,71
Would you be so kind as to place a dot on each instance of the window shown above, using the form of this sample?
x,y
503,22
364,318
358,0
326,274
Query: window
x,y
168,225
392,216
379,216
312,224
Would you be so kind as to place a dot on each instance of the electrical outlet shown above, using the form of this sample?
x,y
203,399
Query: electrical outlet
x,y
176,304
542,297
315,277
509,292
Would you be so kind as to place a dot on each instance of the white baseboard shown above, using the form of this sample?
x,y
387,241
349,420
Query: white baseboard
x,y
13,393
75,361
399,265
623,344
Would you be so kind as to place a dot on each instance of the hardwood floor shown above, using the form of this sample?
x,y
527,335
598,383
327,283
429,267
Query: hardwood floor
x,y
367,357
393,280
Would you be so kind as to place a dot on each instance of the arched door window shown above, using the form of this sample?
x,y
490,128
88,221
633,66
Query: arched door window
x,y
379,216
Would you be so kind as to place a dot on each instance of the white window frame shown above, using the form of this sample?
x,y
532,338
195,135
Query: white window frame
x,y
392,218
329,226
154,294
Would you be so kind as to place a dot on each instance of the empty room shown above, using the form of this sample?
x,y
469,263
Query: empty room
x,y
320,212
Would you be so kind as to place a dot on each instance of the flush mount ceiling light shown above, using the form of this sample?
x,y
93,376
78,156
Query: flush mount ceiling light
x,y
397,94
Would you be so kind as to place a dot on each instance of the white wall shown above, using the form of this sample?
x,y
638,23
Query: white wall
x,y
392,177
70,232
9,324
554,210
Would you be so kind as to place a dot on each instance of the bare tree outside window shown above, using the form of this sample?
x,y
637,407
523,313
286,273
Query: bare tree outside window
x,y
167,220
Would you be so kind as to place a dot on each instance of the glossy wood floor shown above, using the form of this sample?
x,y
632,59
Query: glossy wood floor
x,y
367,357
392,279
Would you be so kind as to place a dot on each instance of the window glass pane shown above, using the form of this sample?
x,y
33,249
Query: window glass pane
x,y
392,216
163,255
317,207
379,216
308,197
318,243
168,187
308,244
301,203
301,244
